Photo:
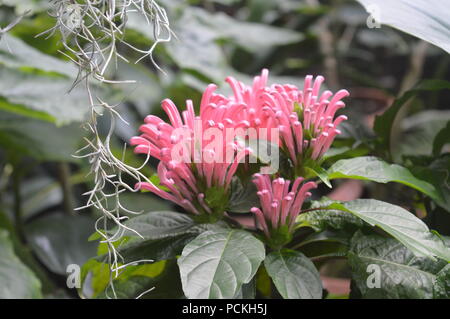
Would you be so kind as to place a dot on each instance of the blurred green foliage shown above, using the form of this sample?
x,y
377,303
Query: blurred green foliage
x,y
41,118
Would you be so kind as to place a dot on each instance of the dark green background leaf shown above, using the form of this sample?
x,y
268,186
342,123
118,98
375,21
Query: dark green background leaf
x,y
61,240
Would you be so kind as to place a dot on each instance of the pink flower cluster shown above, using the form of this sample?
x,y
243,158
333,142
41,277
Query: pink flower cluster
x,y
305,120
280,205
304,117
187,178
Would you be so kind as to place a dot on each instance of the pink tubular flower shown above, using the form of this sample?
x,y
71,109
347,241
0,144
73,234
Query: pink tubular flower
x,y
189,166
305,118
280,205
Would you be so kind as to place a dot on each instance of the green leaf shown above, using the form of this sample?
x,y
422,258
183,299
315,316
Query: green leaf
x,y
442,138
197,42
131,288
44,84
155,280
319,172
438,174
60,240
425,19
442,284
146,92
38,194
17,280
95,277
217,263
247,291
399,223
243,198
143,202
383,123
155,249
156,225
321,220
164,284
401,273
326,244
163,244
38,139
294,275
46,94
14,53
23,5
245,34
202,36
418,130
371,168
328,236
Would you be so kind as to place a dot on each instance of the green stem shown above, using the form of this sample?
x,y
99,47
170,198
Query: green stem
x,y
66,185
16,178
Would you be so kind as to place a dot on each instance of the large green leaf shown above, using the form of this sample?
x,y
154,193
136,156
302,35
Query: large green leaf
x,y
44,84
162,235
135,248
156,225
442,138
61,240
326,244
14,53
198,42
38,194
200,35
418,130
17,281
157,244
437,173
40,94
247,291
294,275
156,280
245,34
146,92
24,5
442,283
399,223
425,19
217,263
383,123
321,220
374,169
400,273
38,139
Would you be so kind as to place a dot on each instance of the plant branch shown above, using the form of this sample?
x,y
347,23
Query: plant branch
x,y
16,179
66,185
